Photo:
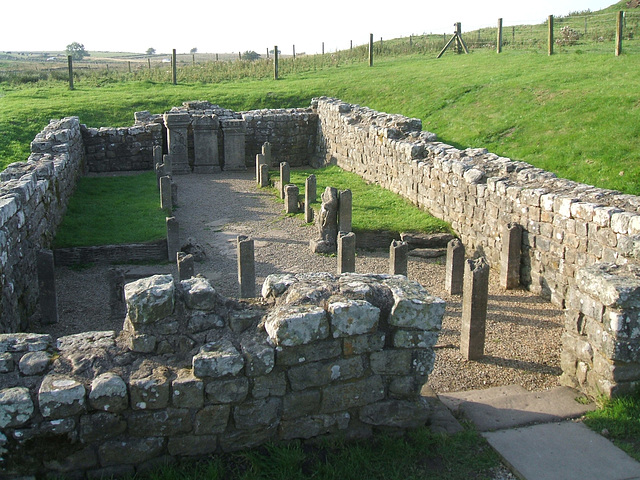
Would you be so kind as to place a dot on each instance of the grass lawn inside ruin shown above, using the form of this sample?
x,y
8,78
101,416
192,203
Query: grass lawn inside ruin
x,y
111,211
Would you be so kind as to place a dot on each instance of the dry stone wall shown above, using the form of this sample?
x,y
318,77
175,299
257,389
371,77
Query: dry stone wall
x,y
193,373
33,199
569,229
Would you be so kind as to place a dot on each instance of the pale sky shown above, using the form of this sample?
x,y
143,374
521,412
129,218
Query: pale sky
x,y
219,26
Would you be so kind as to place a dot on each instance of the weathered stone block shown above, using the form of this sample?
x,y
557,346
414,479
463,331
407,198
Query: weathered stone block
x,y
297,404
108,393
359,344
258,413
6,362
353,394
212,419
413,307
166,422
98,427
353,317
198,294
150,392
259,357
273,385
313,425
130,452
391,362
149,299
395,413
16,407
190,445
187,390
60,396
317,374
24,342
297,325
414,339
217,359
35,363
227,391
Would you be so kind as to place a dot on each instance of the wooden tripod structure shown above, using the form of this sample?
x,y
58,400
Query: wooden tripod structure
x,y
457,36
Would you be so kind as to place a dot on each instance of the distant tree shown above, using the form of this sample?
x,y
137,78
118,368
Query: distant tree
x,y
272,51
193,50
77,51
151,51
250,55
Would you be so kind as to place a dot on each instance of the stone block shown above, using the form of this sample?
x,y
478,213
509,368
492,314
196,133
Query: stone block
x,y
16,407
60,396
25,342
474,308
273,385
149,299
317,374
152,391
313,425
166,422
108,393
6,363
414,339
212,419
259,357
353,317
398,258
391,362
413,307
259,413
313,352
295,325
192,445
187,391
298,404
359,344
198,294
396,413
98,427
344,396
132,451
35,363
227,391
217,359
291,194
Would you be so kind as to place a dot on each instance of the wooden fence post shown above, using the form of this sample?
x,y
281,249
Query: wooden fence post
x,y
371,49
70,62
619,24
275,62
499,40
174,76
294,52
550,34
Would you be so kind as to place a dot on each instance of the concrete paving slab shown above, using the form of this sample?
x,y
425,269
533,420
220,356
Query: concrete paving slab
x,y
453,400
441,419
508,411
562,451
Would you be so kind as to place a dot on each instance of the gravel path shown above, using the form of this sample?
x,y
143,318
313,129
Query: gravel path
x,y
523,331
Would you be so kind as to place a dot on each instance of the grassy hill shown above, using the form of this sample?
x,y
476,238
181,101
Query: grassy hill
x,y
574,113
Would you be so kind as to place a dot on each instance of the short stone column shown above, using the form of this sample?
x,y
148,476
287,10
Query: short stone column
x,y
166,201
454,270
344,211
285,177
233,135
474,308
266,151
47,287
291,194
264,175
159,173
259,162
346,252
246,267
205,144
310,195
173,238
398,258
166,161
157,154
185,265
510,256
177,125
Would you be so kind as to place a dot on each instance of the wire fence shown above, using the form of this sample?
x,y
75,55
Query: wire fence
x,y
580,33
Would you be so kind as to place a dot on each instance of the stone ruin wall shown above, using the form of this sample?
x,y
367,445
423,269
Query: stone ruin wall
x,y
193,373
33,200
580,244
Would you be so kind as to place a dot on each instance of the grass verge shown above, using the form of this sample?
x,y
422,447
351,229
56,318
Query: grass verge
x,y
418,455
620,417
374,208
112,210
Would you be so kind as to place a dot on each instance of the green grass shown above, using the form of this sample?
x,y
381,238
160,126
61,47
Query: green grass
x,y
575,115
112,210
621,418
419,455
373,207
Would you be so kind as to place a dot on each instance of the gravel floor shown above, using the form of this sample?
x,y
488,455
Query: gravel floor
x,y
523,331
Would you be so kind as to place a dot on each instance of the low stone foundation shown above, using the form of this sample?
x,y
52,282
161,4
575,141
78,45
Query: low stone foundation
x,y
194,373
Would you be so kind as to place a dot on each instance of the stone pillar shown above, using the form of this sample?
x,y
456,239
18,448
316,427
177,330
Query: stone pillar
x,y
474,308
174,194
47,287
285,177
398,255
159,173
246,267
264,175
266,151
173,238
167,161
259,162
233,134
510,256
344,214
327,223
291,193
157,154
185,265
177,124
310,194
116,280
454,270
346,252
166,202
205,144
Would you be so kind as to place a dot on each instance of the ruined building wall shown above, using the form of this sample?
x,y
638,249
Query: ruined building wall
x,y
567,227
33,199
193,373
